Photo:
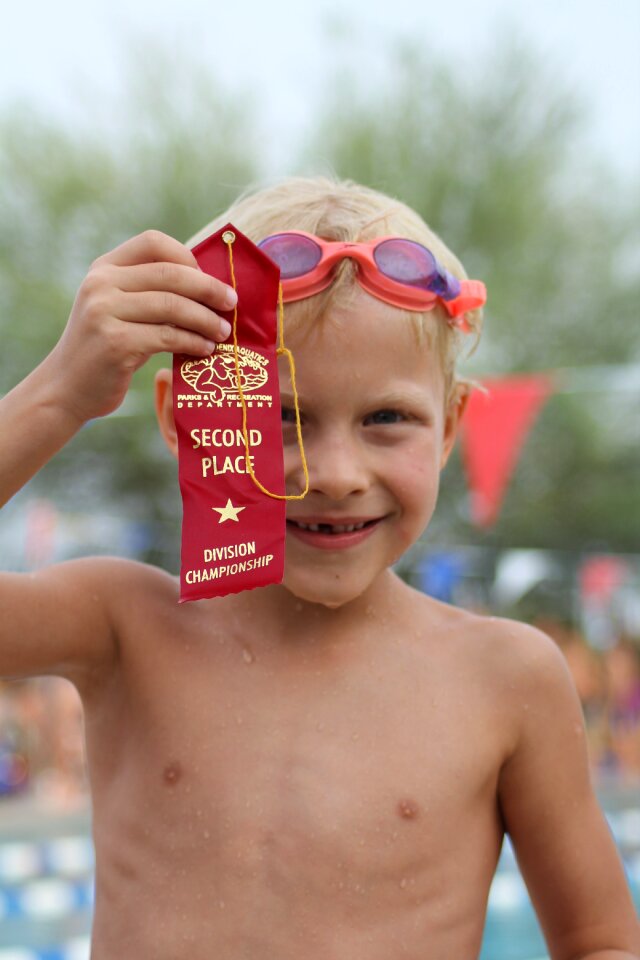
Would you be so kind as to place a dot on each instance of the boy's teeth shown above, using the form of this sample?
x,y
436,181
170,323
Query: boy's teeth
x,y
330,528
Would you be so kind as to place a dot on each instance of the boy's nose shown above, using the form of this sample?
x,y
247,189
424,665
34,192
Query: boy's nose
x,y
336,468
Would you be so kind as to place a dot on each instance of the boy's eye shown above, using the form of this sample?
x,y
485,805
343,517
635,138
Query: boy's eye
x,y
288,415
382,417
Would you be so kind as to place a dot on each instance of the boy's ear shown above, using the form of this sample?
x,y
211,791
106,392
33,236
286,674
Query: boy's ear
x,y
453,416
164,409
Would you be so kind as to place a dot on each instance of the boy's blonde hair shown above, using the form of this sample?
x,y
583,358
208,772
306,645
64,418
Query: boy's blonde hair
x,y
343,210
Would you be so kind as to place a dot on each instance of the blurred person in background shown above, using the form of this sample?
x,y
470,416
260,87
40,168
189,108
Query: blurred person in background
x,y
15,769
587,669
41,742
622,666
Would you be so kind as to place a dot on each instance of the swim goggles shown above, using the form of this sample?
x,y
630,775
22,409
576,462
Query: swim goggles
x,y
401,272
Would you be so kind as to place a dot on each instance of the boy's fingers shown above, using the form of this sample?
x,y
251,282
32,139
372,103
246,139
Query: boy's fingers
x,y
147,339
177,278
149,247
162,307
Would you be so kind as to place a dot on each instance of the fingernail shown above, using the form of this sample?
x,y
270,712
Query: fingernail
x,y
225,328
210,345
231,297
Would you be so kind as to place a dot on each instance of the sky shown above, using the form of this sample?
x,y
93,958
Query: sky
x,y
282,52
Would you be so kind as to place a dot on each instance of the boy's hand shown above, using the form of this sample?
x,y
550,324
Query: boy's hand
x,y
146,296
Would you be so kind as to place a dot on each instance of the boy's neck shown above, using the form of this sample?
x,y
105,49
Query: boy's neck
x,y
285,619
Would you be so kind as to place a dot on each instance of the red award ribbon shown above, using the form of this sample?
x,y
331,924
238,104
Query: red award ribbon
x,y
228,420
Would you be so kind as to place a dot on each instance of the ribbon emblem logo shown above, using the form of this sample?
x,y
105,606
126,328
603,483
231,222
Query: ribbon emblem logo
x,y
215,377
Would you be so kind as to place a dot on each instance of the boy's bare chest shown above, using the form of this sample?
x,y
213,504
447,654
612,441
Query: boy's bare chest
x,y
351,777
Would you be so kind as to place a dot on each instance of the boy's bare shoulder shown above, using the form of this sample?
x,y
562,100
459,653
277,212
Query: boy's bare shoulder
x,y
114,583
87,605
107,571
509,649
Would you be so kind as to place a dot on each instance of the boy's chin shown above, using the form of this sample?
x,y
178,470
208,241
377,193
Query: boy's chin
x,y
329,595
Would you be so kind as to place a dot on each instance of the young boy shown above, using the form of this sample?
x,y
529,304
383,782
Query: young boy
x,y
325,768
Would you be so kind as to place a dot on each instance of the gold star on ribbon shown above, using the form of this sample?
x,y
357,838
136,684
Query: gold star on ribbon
x,y
228,512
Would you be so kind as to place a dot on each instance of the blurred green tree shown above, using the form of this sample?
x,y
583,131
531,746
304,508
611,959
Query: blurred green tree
x,y
170,152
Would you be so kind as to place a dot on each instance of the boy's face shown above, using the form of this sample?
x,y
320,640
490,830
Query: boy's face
x,y
376,435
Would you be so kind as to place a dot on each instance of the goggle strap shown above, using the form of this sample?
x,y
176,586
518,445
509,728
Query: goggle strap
x,y
282,349
472,296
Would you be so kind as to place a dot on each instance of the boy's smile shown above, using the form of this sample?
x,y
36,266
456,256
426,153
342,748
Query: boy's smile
x,y
376,436
329,533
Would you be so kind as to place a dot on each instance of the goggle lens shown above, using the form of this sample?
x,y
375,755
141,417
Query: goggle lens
x,y
294,255
408,262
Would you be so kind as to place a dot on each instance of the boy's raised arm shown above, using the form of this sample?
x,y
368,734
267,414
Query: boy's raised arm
x,y
145,297
562,842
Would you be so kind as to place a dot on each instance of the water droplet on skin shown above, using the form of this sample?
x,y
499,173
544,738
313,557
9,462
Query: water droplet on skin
x,y
355,736
320,727
221,904
247,655
206,834
239,721
403,883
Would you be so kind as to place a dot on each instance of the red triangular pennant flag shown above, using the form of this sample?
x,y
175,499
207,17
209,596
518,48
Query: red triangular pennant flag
x,y
494,429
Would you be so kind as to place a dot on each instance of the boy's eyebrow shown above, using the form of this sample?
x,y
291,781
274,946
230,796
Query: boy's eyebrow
x,y
286,397
400,395
391,397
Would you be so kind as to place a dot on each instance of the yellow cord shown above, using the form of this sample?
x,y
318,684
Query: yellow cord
x,y
228,238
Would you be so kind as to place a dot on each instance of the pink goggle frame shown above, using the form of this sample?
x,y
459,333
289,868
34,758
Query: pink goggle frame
x,y
399,271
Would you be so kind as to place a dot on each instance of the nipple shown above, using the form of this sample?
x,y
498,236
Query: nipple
x,y
407,809
172,773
